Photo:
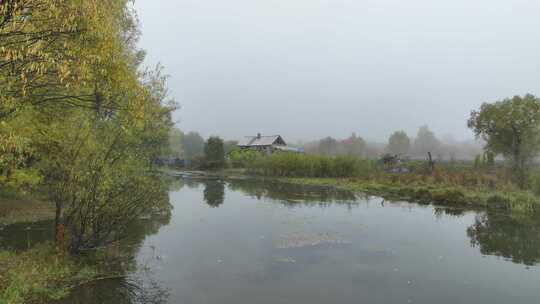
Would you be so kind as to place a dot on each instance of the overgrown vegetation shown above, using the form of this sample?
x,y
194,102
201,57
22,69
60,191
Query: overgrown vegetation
x,y
81,123
479,184
40,274
510,129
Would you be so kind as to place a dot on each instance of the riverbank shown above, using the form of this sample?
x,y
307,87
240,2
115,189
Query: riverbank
x,y
522,202
41,274
424,190
38,274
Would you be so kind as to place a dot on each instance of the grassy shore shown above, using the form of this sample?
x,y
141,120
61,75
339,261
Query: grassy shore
x,y
441,194
456,183
41,274
448,189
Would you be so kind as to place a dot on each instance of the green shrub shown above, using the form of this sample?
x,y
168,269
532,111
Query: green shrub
x,y
243,158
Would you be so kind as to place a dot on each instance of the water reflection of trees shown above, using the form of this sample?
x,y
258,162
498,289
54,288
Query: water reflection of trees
x,y
293,194
176,183
214,193
285,193
440,212
515,238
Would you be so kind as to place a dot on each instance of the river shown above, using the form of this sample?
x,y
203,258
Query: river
x,y
249,241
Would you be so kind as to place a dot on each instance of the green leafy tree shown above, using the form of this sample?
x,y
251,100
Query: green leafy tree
x,y
98,170
399,143
79,116
100,178
510,127
214,153
64,52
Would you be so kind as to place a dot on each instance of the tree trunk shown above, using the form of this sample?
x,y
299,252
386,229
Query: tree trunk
x,y
59,228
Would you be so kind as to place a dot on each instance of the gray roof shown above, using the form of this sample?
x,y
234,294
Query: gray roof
x,y
258,140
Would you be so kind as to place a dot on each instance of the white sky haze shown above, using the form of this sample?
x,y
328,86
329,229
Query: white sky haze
x,y
313,68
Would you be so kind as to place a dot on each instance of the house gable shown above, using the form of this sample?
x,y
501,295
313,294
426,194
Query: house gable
x,y
261,141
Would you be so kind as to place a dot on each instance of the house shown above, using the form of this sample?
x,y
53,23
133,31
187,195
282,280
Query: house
x,y
267,144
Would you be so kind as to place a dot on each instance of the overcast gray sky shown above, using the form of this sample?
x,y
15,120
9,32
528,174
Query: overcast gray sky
x,y
312,68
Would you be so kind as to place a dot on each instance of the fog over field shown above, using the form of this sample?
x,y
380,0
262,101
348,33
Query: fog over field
x,y
312,68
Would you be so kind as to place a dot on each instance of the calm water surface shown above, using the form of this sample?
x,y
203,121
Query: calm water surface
x,y
253,242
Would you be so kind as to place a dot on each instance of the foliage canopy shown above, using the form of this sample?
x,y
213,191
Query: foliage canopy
x,y
510,127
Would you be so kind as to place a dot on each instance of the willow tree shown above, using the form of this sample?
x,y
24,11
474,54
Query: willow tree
x,y
54,51
56,54
69,73
100,176
510,127
98,169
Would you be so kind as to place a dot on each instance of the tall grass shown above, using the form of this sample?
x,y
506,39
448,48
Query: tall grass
x,y
39,275
451,174
318,166
302,165
455,183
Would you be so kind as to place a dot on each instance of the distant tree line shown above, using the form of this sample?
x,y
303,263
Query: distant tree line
x,y
508,129
196,152
399,143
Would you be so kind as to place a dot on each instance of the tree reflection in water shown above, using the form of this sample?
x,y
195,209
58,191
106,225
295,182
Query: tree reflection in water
x,y
214,193
500,234
294,194
440,212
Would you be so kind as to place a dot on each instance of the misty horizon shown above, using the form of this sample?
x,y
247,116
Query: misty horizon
x,y
311,69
